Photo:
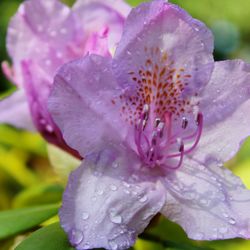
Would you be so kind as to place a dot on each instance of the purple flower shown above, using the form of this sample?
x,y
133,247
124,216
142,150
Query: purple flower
x,y
43,35
155,125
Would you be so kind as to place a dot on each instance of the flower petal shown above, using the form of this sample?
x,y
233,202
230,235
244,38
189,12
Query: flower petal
x,y
162,33
14,110
118,5
82,104
36,22
108,201
105,18
209,202
224,104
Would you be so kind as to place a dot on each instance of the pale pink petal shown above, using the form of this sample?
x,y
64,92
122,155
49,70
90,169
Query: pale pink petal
x,y
109,201
14,111
225,105
104,18
208,201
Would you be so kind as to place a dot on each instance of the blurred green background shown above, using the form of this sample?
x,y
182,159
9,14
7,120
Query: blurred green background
x,y
28,178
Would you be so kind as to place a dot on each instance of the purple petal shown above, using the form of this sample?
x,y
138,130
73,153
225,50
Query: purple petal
x,y
34,77
36,22
14,110
83,104
225,105
105,18
160,34
209,202
120,6
108,201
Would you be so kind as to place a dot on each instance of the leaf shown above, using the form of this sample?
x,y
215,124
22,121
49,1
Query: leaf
x,y
50,238
20,220
39,195
27,141
16,167
171,244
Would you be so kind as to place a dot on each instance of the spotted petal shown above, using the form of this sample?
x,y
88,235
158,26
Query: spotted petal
x,y
108,201
200,195
82,104
14,110
225,105
161,38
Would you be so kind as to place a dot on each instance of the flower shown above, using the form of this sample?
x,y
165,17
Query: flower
x,y
155,125
42,36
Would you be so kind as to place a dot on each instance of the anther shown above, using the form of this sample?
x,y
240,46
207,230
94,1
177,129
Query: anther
x,y
157,122
199,119
184,123
160,128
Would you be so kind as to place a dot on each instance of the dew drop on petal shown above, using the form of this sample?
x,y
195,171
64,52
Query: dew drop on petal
x,y
76,236
113,187
113,245
115,218
143,199
232,221
85,216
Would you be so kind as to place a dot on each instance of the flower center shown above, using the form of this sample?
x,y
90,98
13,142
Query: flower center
x,y
161,103
162,147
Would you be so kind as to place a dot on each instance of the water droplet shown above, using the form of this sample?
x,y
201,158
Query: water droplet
x,y
115,218
204,202
85,216
115,165
129,53
126,191
126,184
113,245
76,236
232,221
225,215
113,187
100,192
143,199
49,128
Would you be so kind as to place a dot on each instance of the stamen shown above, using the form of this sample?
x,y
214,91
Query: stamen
x,y
181,150
184,123
153,148
157,121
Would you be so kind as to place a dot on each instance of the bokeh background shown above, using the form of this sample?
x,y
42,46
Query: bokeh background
x,y
28,177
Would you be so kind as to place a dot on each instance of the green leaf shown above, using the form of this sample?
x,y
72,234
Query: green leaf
x,y
171,244
39,195
20,220
50,238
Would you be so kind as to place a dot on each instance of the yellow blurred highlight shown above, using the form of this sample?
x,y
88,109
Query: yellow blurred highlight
x,y
15,166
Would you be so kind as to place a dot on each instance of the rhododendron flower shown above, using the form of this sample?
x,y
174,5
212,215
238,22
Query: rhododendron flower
x,y
42,36
155,125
